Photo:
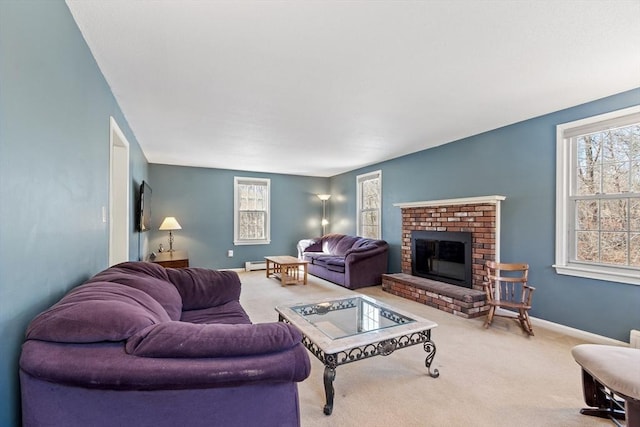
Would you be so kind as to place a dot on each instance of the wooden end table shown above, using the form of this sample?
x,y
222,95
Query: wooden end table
x,y
287,269
175,259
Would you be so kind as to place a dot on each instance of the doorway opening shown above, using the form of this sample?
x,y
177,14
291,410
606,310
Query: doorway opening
x,y
118,195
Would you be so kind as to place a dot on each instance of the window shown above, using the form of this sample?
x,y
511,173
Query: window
x,y
251,211
598,197
369,193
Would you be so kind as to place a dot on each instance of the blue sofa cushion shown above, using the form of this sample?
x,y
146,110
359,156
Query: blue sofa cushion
x,y
182,339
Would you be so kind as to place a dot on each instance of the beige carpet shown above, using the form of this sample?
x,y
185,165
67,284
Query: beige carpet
x,y
488,377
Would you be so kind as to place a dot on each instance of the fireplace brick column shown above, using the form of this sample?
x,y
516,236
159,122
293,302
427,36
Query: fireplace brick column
x,y
478,215
479,219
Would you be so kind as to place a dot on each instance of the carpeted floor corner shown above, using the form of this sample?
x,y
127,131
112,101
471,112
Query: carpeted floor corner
x,y
488,377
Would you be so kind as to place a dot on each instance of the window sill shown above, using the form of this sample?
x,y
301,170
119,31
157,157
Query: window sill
x,y
611,274
251,242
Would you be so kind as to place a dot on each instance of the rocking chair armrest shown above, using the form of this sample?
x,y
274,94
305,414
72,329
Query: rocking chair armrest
x,y
529,293
487,285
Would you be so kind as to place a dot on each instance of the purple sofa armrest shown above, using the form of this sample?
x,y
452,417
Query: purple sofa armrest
x,y
356,254
107,366
203,288
309,245
365,268
189,340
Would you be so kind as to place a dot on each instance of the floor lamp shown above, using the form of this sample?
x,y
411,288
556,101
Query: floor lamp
x,y
325,222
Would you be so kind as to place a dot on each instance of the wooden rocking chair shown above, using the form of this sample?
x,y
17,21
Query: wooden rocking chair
x,y
507,288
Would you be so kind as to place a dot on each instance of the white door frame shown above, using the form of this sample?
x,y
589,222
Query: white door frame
x,y
119,217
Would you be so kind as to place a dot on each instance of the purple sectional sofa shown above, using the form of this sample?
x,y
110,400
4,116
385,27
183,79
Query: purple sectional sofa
x,y
350,261
140,345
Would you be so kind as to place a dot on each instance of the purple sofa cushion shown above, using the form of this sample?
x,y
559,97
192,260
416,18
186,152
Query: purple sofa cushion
x,y
321,260
96,312
231,312
181,339
313,257
148,277
344,244
326,260
202,288
335,264
330,241
336,268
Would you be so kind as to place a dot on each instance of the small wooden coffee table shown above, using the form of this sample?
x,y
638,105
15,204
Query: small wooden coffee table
x,y
287,269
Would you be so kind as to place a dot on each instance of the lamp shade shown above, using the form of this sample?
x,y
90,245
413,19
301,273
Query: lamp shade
x,y
324,197
170,223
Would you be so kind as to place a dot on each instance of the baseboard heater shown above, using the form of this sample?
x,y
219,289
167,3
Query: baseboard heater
x,y
255,265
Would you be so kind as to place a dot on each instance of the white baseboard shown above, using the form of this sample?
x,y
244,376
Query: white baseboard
x,y
573,332
577,333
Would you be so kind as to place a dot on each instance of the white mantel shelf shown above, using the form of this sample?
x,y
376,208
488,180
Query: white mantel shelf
x,y
450,202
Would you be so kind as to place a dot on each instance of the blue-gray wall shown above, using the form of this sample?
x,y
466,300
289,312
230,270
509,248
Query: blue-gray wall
x,y
54,175
202,202
54,171
518,162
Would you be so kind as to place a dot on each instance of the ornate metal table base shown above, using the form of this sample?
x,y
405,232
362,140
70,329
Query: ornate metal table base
x,y
381,348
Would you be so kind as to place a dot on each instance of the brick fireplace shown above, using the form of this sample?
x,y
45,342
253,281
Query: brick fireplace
x,y
478,215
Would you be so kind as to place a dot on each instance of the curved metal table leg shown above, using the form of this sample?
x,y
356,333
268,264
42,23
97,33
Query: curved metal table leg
x,y
329,376
430,348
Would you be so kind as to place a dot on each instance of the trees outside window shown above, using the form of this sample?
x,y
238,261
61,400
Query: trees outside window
x,y
369,195
251,211
598,200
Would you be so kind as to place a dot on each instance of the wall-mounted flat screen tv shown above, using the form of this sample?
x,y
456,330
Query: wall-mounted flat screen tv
x,y
144,208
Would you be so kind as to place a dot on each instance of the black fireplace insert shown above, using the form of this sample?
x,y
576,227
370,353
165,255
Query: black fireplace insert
x,y
442,255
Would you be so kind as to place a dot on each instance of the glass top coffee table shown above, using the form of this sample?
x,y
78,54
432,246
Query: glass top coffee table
x,y
345,330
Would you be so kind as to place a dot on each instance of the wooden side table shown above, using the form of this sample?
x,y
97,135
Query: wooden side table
x,y
175,259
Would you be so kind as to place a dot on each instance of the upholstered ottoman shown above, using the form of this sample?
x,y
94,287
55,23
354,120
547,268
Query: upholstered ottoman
x,y
609,372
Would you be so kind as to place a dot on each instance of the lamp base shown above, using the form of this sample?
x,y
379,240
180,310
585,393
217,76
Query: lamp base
x,y
170,241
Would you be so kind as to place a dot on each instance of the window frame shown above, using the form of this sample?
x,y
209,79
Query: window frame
x,y
359,181
237,181
565,214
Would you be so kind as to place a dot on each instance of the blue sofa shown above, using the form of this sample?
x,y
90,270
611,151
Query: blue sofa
x,y
350,261
140,345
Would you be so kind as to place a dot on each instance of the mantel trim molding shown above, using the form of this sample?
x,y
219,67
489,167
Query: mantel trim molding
x,y
450,202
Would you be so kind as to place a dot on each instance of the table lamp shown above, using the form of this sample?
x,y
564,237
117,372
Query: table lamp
x,y
170,223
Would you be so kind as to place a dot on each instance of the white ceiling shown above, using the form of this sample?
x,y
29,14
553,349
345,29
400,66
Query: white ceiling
x,y
322,87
